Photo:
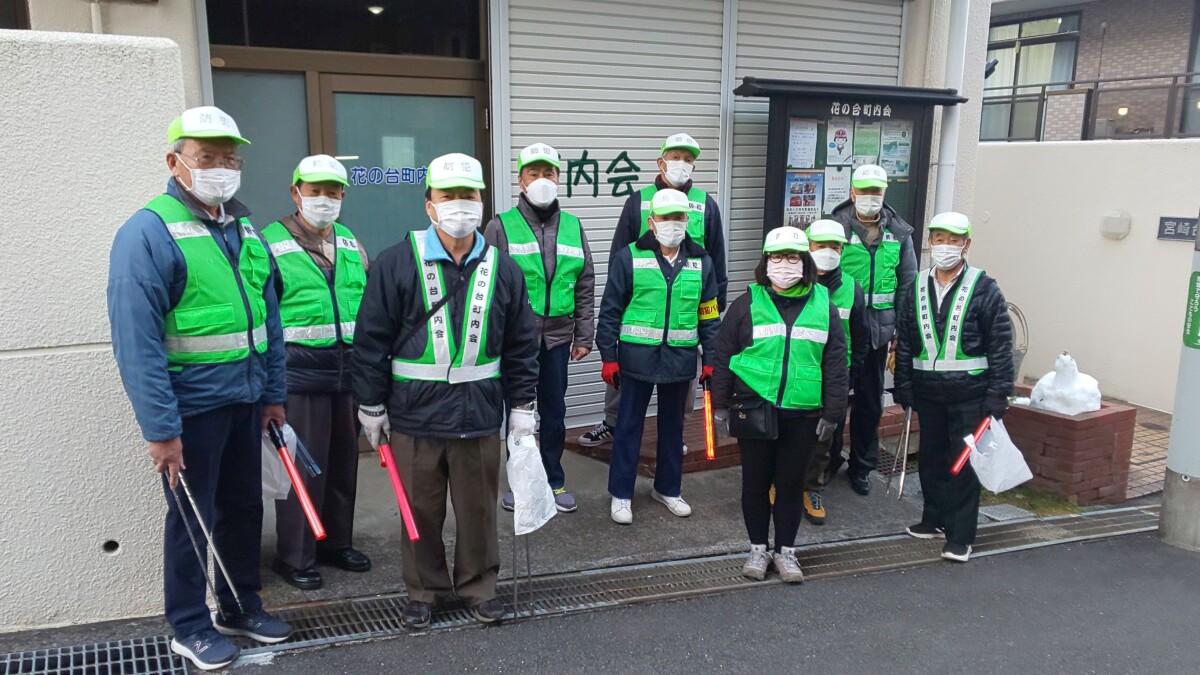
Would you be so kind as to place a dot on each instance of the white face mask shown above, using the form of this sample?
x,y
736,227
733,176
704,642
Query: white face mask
x,y
541,192
868,205
678,172
213,186
320,211
946,256
670,232
460,217
827,259
785,274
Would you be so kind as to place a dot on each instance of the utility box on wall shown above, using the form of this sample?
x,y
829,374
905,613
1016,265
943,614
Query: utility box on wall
x,y
818,133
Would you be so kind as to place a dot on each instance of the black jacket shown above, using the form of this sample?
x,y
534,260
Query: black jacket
x,y
629,230
653,363
881,323
737,333
860,336
986,331
391,305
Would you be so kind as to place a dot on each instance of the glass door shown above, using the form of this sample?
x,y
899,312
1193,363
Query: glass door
x,y
386,130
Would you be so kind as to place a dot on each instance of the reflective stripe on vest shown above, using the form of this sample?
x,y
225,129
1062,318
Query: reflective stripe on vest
x,y
217,319
470,362
314,312
559,298
875,272
951,343
697,199
656,310
843,299
799,351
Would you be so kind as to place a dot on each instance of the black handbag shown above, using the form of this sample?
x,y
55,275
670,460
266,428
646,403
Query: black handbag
x,y
753,418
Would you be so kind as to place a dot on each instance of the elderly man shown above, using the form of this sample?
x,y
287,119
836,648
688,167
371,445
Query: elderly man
x,y
322,270
445,340
197,338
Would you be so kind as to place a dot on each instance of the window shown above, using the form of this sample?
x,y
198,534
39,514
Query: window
x,y
13,14
1029,54
445,28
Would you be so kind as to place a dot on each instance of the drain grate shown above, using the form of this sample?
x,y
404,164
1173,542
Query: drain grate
x,y
355,619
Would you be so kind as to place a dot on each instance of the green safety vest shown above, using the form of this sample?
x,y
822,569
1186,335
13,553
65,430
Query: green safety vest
x,y
761,365
659,312
697,198
222,311
443,360
876,273
524,249
314,312
843,299
950,344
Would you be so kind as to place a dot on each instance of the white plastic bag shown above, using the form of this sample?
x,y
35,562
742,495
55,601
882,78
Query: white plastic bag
x,y
533,500
275,481
997,461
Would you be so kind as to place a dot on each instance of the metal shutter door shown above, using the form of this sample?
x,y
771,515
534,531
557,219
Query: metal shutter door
x,y
608,77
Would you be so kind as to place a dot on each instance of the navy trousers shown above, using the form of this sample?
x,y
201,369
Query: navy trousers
x,y
552,409
222,450
673,397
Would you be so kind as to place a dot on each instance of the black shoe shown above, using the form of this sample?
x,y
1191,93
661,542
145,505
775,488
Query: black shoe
x,y
347,558
416,615
923,531
490,611
956,552
308,579
861,484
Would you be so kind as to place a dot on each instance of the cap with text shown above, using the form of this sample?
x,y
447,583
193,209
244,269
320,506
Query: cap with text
x,y
827,230
668,201
786,238
454,170
538,152
681,140
320,169
204,122
951,221
869,176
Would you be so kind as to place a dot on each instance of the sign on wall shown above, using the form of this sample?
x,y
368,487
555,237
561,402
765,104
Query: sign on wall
x,y
1178,229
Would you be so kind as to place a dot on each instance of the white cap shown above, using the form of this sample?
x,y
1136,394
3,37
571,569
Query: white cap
x,y
786,238
204,122
668,201
869,176
951,221
454,170
826,230
320,169
681,140
539,152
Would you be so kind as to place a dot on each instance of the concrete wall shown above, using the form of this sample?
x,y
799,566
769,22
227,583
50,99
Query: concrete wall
x,y
173,19
84,140
1117,306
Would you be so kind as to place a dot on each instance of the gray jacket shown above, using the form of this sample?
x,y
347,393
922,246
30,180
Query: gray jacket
x,y
881,323
580,329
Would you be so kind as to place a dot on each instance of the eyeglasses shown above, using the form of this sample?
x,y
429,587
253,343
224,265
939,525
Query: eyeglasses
x,y
209,161
792,258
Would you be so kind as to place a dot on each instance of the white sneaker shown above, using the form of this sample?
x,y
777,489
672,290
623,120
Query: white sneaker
x,y
787,565
621,511
758,563
675,505
685,448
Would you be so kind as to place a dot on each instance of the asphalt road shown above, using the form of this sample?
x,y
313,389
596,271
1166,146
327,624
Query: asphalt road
x,y
1124,605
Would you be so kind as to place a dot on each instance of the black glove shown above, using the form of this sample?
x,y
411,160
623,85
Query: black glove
x,y
903,397
995,407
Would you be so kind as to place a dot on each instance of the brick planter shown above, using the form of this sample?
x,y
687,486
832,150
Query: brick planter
x,y
1084,458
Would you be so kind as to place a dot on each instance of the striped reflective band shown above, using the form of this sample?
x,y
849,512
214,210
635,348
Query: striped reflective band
x,y
769,331
281,248
322,332
440,373
882,297
964,365
642,332
209,344
524,249
810,334
186,229
844,312
567,251
645,263
473,320
950,361
683,335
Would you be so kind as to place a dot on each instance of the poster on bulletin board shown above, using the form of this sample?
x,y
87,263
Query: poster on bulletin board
x,y
840,141
895,152
802,144
866,142
837,186
802,197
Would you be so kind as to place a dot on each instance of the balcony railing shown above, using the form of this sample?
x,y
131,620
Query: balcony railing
x,y
1158,106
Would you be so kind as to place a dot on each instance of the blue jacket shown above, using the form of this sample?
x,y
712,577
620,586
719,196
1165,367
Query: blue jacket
x,y
146,277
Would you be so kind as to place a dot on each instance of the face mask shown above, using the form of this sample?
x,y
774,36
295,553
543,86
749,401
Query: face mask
x,y
320,211
785,274
868,205
678,172
670,232
946,256
827,259
542,192
460,217
213,186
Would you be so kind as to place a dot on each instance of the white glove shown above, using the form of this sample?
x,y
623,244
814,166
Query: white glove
x,y
721,423
520,423
374,420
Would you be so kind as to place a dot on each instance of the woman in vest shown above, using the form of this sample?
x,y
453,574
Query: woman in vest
x,y
659,305
781,368
322,273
